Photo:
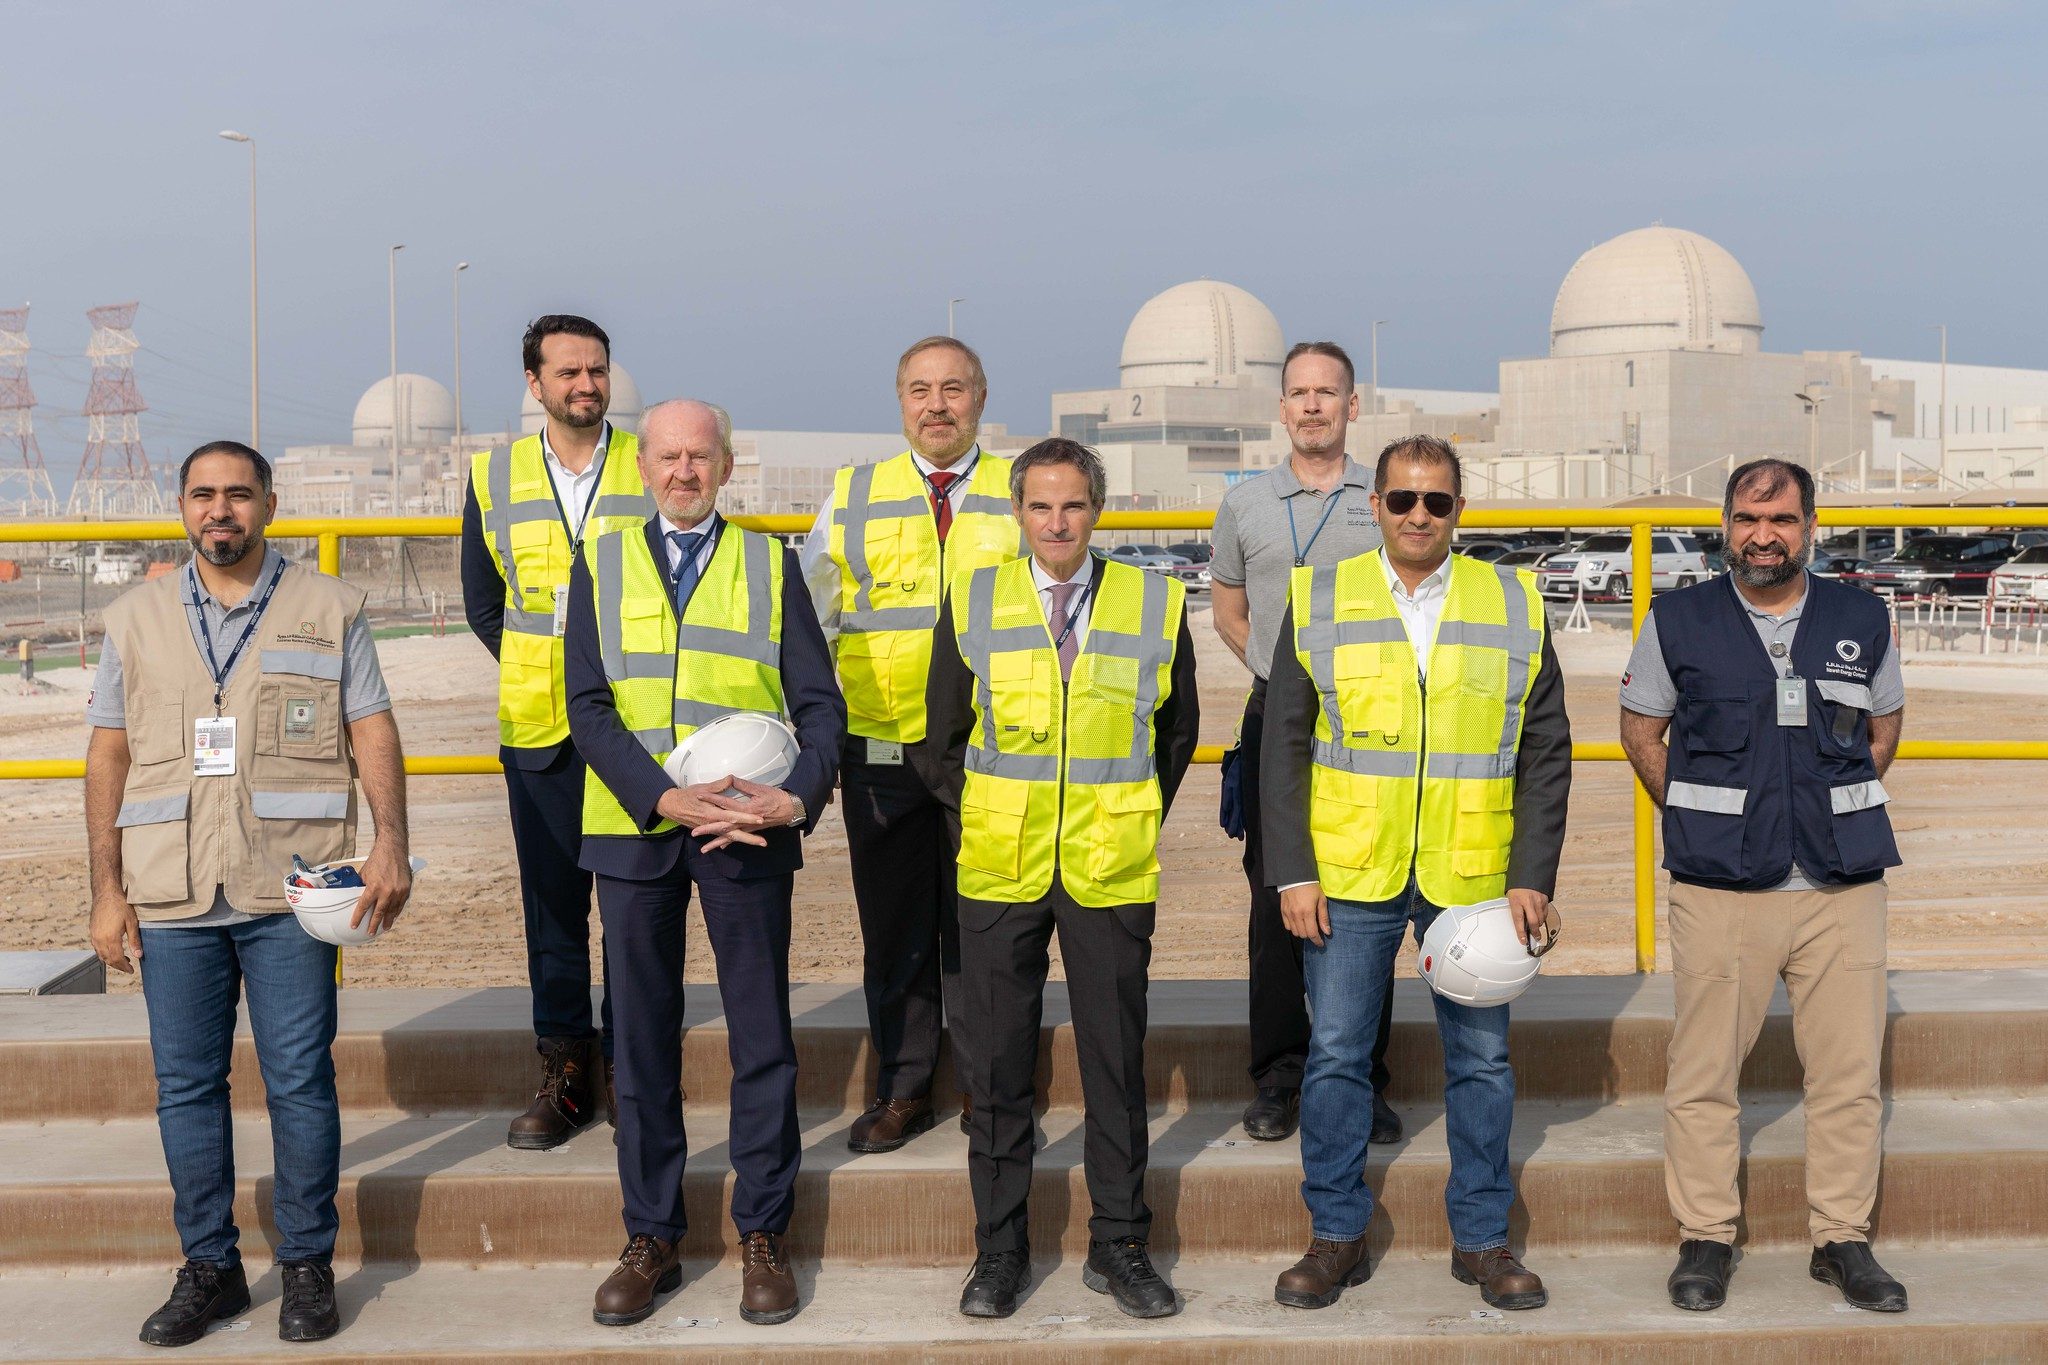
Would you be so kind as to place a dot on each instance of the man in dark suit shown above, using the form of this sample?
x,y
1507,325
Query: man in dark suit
x,y
1062,712
672,625
1417,756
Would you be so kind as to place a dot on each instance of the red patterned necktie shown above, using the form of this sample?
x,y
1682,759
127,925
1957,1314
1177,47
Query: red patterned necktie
x,y
942,506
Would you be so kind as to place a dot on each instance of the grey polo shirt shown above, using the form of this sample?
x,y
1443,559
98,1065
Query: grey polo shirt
x,y
1647,688
1260,525
363,691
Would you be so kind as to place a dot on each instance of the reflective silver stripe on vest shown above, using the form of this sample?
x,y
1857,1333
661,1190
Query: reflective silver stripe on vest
x,y
1524,645
1320,636
1853,797
1470,766
982,504
853,520
1844,693
874,620
498,520
520,622
1699,796
659,740
756,644
1362,762
533,509
1021,767
156,810
639,506
698,714
980,640
1153,652
298,805
305,662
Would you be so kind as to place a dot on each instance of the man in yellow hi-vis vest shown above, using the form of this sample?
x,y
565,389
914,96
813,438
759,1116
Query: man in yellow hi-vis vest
x,y
1417,756
1063,713
877,563
527,511
674,624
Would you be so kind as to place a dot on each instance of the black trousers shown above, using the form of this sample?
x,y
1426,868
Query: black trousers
x,y
748,923
1279,998
901,843
1003,961
547,837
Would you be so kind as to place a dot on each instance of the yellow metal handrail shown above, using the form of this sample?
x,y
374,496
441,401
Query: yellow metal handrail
x,y
329,532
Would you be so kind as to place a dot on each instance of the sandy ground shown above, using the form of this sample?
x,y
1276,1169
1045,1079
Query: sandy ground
x,y
1972,834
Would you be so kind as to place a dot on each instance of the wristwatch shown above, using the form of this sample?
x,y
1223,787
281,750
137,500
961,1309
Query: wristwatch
x,y
796,821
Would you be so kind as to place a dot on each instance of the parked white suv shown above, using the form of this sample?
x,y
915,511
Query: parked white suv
x,y
1598,566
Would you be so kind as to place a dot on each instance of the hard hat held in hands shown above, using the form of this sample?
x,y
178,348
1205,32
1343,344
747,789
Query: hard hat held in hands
x,y
1471,954
746,744
324,899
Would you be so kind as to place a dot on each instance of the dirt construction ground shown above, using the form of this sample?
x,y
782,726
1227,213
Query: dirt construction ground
x,y
1971,893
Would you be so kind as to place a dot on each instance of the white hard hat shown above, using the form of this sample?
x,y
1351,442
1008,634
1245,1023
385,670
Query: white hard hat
x,y
1471,954
325,911
749,744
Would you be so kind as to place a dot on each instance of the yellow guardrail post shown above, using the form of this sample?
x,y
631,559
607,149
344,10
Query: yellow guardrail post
x,y
1645,841
330,554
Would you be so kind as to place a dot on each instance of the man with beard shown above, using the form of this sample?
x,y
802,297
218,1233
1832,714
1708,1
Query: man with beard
x,y
1783,699
878,562
234,704
529,509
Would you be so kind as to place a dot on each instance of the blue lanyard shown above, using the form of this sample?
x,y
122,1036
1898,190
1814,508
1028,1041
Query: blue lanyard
x,y
1074,612
1300,550
220,672
701,555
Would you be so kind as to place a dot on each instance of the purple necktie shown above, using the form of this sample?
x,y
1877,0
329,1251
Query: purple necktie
x,y
1070,645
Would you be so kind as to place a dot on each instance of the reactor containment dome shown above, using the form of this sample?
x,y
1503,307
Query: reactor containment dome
x,y
426,413
1201,334
1656,289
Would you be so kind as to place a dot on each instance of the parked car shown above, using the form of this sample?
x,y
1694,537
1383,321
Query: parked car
x,y
1486,551
1957,565
2024,577
1132,553
2027,540
1195,576
1197,551
1599,566
1528,557
1843,566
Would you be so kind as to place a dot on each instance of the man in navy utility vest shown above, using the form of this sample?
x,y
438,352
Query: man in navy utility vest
x,y
1782,694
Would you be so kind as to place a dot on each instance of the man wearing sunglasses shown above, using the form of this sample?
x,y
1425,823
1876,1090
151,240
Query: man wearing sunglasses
x,y
1417,756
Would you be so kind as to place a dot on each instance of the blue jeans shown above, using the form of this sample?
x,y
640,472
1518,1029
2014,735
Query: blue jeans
x,y
191,981
1346,978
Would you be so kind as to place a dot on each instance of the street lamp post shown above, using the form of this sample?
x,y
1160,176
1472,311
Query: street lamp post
x,y
393,272
949,315
255,400
1377,406
460,266
1813,398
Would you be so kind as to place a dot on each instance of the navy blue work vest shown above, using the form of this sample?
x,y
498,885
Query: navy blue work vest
x,y
1746,797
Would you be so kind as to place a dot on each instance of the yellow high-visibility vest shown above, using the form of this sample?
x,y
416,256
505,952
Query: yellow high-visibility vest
x,y
529,532
892,577
669,679
1401,779
1064,774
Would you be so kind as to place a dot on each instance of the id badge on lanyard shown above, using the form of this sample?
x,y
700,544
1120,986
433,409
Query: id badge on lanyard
x,y
213,746
1791,693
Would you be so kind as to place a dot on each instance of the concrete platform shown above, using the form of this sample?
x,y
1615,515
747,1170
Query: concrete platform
x,y
1967,1305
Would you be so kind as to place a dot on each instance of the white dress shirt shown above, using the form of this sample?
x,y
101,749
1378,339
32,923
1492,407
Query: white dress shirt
x,y
576,491
705,547
1082,598
821,573
1420,610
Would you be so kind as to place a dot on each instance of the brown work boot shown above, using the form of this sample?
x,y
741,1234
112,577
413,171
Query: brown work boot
x,y
647,1267
567,1099
767,1285
888,1124
1504,1282
1329,1268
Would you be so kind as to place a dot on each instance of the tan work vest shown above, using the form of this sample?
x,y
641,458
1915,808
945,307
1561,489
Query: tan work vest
x,y
293,789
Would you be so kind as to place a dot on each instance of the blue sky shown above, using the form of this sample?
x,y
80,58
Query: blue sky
x,y
764,203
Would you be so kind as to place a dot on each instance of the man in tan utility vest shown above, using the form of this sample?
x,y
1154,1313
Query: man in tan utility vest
x,y
235,704
878,562
529,509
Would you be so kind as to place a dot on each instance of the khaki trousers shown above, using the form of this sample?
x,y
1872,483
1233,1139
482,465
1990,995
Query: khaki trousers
x,y
1727,950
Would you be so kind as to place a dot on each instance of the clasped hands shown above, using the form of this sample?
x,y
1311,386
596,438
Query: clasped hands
x,y
707,812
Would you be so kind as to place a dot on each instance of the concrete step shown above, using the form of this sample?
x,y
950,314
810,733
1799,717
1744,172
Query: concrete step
x,y
1958,1169
1974,1304
436,1051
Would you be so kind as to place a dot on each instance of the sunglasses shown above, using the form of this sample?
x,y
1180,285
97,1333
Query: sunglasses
x,y
1401,501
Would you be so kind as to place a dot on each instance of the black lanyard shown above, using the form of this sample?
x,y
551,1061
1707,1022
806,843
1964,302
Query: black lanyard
x,y
958,479
220,672
575,533
1300,550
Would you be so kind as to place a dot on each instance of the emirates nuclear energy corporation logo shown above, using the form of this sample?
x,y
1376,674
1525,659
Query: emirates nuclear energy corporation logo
x,y
1849,650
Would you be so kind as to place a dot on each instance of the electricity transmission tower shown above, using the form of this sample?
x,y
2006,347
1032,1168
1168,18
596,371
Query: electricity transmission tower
x,y
115,478
25,489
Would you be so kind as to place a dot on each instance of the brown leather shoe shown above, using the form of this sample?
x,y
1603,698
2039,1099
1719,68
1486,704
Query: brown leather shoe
x,y
647,1267
567,1099
888,1124
767,1285
1318,1278
1504,1282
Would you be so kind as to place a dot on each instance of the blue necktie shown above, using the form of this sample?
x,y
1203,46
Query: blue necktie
x,y
687,573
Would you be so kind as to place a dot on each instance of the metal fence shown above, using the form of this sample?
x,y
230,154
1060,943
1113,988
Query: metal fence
x,y
1639,522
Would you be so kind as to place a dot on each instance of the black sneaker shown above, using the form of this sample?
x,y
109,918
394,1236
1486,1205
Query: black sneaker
x,y
204,1294
1123,1269
995,1282
308,1312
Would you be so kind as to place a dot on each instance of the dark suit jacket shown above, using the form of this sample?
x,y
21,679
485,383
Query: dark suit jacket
x,y
483,602
1543,772
949,717
810,692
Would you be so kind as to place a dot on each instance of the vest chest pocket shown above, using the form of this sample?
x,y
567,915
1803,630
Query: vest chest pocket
x,y
1368,700
1719,726
992,812
298,705
1844,717
156,730
645,624
1020,688
1113,681
540,557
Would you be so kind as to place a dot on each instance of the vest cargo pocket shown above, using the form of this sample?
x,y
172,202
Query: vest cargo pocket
x,y
865,661
154,863
992,826
526,689
1342,827
1125,840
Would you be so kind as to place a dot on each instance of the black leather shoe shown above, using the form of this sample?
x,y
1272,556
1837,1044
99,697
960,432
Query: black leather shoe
x,y
308,1312
204,1294
997,1279
1386,1124
1851,1268
1274,1115
1123,1270
1699,1283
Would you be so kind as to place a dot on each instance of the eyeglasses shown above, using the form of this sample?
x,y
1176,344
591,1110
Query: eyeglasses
x,y
1401,501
